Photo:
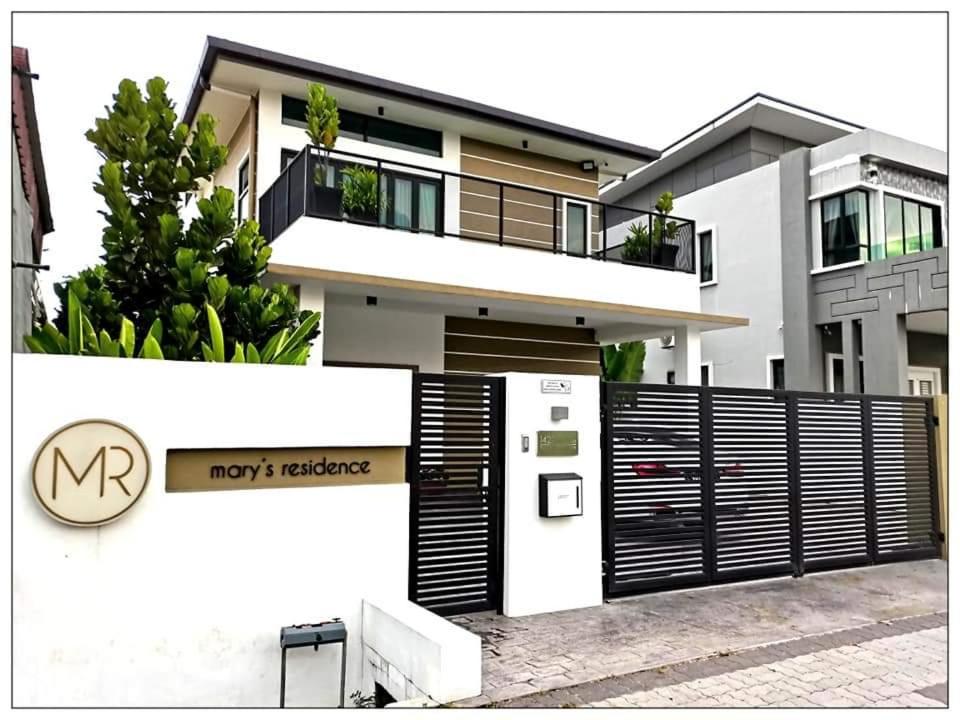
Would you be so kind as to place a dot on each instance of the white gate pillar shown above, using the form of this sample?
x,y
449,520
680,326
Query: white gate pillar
x,y
551,563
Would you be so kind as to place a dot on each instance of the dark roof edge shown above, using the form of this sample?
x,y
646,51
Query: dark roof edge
x,y
36,153
795,106
218,47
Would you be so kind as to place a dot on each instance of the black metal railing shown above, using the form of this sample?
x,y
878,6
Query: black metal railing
x,y
413,198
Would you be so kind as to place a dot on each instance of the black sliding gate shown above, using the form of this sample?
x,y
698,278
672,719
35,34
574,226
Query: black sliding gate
x,y
455,471
705,485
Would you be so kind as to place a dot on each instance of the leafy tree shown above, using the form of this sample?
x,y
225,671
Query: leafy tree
x,y
624,362
155,268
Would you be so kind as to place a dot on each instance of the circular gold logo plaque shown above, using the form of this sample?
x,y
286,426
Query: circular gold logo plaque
x,y
90,472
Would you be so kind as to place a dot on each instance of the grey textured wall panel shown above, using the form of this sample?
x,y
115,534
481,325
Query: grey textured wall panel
x,y
803,366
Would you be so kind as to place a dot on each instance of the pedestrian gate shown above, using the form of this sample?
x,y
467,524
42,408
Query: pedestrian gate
x,y
703,485
455,471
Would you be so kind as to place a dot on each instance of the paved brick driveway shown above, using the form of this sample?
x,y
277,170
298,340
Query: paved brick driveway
x,y
624,650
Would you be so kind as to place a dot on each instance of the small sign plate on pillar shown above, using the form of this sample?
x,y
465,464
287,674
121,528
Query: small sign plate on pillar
x,y
557,443
561,387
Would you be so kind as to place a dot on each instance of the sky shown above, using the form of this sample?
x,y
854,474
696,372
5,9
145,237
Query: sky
x,y
643,78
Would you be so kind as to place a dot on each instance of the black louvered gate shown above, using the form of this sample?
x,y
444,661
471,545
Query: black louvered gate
x,y
705,485
455,471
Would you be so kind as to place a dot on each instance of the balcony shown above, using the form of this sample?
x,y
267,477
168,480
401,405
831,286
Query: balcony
x,y
448,204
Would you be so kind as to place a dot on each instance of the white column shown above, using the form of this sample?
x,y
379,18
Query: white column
x,y
313,297
553,563
687,355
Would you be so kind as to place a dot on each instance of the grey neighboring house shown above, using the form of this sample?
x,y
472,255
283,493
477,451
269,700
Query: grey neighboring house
x,y
31,218
830,237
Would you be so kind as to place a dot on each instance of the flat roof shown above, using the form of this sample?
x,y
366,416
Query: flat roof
x,y
760,111
216,48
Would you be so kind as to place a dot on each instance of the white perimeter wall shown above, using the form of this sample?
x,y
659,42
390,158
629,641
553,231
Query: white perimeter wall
x,y
180,602
551,563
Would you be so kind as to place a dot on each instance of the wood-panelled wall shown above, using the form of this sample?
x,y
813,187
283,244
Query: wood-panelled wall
x,y
478,346
528,215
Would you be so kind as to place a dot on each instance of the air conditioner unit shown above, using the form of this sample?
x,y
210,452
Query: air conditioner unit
x,y
666,342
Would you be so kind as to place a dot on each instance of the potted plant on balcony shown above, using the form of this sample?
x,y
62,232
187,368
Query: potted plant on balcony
x,y
359,193
323,127
645,246
665,253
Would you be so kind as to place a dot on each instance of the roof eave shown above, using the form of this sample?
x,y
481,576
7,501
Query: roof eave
x,y
216,48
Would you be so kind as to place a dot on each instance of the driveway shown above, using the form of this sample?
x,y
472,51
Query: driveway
x,y
590,656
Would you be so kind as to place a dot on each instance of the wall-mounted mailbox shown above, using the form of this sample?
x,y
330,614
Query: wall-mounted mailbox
x,y
561,495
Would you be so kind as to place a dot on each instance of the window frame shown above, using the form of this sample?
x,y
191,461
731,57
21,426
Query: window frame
x,y
770,360
390,176
286,157
934,207
363,135
708,364
828,373
244,193
703,230
862,244
587,226
923,369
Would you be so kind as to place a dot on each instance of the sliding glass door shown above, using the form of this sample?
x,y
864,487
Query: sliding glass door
x,y
412,202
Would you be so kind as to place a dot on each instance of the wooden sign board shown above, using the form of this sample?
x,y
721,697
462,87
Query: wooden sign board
x,y
252,468
557,443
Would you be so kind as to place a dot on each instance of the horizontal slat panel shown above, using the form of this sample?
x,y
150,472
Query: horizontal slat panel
x,y
454,529
763,481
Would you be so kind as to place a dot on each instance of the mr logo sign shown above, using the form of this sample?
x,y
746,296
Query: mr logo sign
x,y
90,472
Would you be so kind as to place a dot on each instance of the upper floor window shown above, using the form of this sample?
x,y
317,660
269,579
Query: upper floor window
x,y
909,227
243,190
706,247
370,128
845,228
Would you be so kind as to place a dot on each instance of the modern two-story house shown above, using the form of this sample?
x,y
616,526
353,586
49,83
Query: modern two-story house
x,y
489,249
831,236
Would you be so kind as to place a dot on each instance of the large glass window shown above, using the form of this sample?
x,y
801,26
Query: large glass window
x,y
893,220
909,227
845,228
370,128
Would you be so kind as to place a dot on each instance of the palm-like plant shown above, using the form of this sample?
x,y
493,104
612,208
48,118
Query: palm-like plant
x,y
624,362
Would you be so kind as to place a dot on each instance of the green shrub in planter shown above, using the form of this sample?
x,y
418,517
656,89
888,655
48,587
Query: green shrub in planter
x,y
360,191
642,245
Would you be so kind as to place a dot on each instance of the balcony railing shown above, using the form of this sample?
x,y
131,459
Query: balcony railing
x,y
443,203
